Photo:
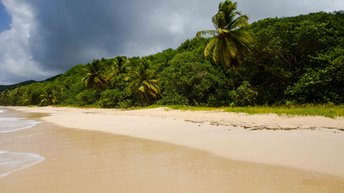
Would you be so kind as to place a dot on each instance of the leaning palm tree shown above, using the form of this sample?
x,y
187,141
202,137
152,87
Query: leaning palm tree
x,y
94,77
230,39
143,83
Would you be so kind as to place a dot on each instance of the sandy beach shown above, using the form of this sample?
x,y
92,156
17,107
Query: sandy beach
x,y
307,143
160,150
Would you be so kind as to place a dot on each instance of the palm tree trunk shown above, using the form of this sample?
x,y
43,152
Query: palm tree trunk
x,y
236,70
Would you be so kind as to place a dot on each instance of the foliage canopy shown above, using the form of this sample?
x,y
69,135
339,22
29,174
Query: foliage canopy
x,y
292,60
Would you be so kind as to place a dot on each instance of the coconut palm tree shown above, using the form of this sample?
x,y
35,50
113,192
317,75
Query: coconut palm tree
x,y
49,97
119,66
143,83
94,77
230,39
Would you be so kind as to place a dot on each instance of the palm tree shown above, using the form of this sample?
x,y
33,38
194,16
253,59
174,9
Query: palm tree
x,y
230,39
49,97
94,77
122,63
119,66
144,83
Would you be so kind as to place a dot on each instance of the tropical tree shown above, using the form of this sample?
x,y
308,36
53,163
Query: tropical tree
x,y
143,82
4,96
231,38
122,63
94,77
15,95
49,97
118,66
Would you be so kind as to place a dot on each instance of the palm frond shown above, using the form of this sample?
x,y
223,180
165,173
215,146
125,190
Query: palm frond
x,y
243,38
232,37
217,53
239,22
210,47
231,48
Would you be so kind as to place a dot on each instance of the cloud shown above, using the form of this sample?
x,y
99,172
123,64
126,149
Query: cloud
x,y
77,31
5,18
168,24
260,9
15,58
47,37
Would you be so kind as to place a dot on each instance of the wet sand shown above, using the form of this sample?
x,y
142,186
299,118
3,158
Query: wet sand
x,y
310,143
89,161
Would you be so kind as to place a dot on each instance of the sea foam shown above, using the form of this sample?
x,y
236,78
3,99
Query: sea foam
x,y
12,124
12,161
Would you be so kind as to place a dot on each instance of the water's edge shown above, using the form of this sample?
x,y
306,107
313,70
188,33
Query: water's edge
x,y
14,161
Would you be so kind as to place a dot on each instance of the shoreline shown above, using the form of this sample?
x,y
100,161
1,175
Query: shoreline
x,y
24,166
307,143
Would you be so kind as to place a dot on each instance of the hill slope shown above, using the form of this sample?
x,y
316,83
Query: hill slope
x,y
293,60
5,87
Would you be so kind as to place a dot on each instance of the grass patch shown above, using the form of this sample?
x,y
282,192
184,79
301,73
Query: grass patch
x,y
331,111
194,108
312,110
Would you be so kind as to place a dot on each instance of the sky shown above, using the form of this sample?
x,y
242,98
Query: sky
x,y
42,38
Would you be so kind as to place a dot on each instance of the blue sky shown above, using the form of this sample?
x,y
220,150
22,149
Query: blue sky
x,y
42,38
5,20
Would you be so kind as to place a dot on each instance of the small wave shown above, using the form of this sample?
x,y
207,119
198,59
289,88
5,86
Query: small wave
x,y
12,124
11,161
2,111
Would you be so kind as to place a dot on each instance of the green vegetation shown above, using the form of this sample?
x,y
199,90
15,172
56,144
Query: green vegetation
x,y
314,110
285,62
331,111
231,37
5,87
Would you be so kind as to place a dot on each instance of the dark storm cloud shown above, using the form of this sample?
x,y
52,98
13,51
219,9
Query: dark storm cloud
x,y
71,32
47,37
77,31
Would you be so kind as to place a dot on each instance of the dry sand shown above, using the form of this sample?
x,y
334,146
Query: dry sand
x,y
307,143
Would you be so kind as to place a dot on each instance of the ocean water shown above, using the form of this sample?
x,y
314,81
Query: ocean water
x,y
14,161
12,124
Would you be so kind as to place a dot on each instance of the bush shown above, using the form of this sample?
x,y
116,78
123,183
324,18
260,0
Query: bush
x,y
88,97
173,98
190,81
114,98
324,84
244,95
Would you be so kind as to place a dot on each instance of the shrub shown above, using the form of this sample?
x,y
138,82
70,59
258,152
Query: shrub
x,y
88,97
244,95
114,98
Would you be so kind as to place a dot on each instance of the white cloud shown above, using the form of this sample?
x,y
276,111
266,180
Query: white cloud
x,y
15,57
260,9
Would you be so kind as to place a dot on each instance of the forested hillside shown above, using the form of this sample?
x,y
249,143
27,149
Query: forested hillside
x,y
6,87
294,60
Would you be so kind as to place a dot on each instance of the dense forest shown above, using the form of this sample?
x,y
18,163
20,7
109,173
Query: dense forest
x,y
291,60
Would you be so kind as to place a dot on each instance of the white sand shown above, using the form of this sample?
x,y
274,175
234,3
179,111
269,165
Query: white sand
x,y
314,143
